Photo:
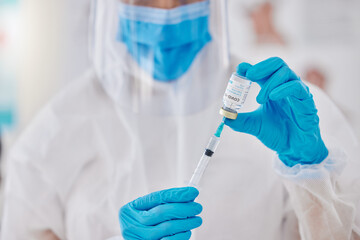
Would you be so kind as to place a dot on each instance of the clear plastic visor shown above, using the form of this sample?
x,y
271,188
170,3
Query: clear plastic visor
x,y
161,57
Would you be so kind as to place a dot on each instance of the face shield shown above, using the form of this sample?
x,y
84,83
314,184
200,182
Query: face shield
x,y
160,57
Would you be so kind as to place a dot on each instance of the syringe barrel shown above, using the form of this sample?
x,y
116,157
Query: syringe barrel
x,y
213,144
199,171
204,161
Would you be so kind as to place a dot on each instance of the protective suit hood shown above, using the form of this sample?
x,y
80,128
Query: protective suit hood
x,y
135,89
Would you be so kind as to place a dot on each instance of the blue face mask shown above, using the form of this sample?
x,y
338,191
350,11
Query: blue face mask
x,y
165,42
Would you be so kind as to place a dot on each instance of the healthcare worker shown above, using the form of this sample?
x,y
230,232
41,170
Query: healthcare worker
x,y
95,162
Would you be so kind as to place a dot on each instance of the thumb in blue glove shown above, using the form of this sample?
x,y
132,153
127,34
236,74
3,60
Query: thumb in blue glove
x,y
287,120
167,215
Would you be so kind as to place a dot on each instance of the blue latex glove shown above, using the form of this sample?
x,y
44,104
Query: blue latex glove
x,y
166,215
287,120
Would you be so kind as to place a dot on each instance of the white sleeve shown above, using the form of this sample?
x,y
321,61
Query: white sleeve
x,y
325,206
32,209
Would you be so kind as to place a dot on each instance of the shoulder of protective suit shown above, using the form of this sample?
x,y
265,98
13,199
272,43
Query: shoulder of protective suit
x,y
81,101
61,140
83,96
65,125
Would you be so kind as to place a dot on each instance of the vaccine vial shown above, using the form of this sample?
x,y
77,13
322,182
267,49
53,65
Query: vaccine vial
x,y
235,95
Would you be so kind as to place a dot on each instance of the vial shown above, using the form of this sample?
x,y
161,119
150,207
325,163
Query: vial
x,y
235,96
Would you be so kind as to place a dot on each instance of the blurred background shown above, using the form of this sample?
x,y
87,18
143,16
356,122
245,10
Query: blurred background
x,y
44,46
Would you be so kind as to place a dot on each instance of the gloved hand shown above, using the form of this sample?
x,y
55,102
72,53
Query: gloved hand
x,y
287,120
166,215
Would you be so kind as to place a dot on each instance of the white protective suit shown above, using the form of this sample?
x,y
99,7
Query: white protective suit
x,y
92,150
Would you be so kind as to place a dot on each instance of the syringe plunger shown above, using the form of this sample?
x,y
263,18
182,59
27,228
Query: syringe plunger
x,y
212,145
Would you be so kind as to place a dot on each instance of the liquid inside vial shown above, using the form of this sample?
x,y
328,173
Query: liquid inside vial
x,y
236,93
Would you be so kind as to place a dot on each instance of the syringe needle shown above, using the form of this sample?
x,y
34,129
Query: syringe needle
x,y
220,128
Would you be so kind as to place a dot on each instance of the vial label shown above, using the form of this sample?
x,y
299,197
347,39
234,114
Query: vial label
x,y
236,92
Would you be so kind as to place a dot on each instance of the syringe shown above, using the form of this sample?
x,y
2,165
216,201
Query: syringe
x,y
205,158
234,98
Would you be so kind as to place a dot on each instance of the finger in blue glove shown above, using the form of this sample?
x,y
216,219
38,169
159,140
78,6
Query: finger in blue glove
x,y
179,236
167,214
